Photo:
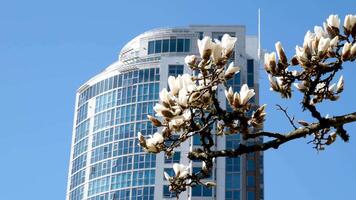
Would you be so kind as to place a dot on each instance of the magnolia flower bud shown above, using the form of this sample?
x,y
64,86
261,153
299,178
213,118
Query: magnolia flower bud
x,y
258,117
324,44
333,21
347,24
270,62
301,55
229,95
216,54
228,44
190,60
205,47
280,51
309,39
346,50
246,94
154,121
275,82
319,32
180,170
340,85
231,71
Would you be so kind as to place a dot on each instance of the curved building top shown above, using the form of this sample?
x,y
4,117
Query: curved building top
x,y
154,44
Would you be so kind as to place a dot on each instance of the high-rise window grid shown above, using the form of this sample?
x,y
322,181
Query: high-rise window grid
x,y
168,45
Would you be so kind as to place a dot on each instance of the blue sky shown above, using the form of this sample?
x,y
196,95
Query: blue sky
x,y
48,49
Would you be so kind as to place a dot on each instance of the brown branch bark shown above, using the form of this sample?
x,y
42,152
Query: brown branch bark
x,y
281,139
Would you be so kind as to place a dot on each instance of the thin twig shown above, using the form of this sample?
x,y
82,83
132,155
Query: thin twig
x,y
291,119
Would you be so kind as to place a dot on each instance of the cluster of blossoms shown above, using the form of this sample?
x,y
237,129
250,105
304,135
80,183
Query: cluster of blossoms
x,y
320,57
322,54
187,94
190,105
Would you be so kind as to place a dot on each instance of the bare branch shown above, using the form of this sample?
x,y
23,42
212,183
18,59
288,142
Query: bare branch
x,y
290,119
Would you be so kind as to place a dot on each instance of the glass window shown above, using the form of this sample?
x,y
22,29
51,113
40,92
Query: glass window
x,y
250,165
186,45
151,47
199,190
250,181
250,195
172,45
174,159
250,80
250,66
180,45
165,46
201,35
196,191
196,139
158,46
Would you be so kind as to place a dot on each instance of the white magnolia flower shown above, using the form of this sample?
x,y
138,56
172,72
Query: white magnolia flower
x,y
349,22
180,170
216,52
190,59
152,142
183,97
270,61
164,95
309,38
228,44
346,51
229,95
246,94
205,47
319,32
231,70
334,41
158,108
280,52
323,46
182,81
276,83
333,21
340,85
187,115
302,55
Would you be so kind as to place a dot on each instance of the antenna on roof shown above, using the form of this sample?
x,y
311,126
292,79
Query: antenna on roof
x,y
259,35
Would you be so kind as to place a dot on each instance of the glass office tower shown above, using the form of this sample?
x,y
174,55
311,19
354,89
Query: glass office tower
x,y
106,162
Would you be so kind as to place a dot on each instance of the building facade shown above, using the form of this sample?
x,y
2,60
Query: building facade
x,y
106,162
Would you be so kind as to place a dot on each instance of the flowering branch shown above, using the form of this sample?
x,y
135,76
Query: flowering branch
x,y
191,108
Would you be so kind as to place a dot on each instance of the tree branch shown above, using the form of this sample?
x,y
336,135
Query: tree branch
x,y
301,132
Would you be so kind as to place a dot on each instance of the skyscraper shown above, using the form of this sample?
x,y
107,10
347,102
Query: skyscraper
x,y
106,162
